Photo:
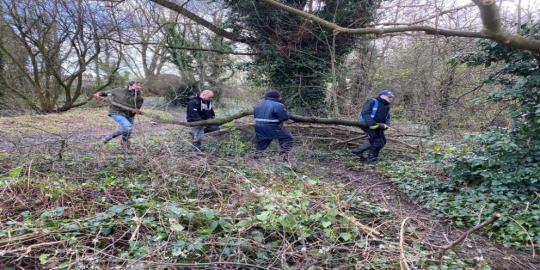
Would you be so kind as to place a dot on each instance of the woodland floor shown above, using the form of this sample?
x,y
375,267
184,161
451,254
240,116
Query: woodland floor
x,y
85,127
428,229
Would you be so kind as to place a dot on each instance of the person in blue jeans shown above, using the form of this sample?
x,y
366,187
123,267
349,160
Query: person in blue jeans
x,y
125,103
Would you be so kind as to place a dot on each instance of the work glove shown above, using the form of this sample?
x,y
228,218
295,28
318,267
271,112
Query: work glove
x,y
379,126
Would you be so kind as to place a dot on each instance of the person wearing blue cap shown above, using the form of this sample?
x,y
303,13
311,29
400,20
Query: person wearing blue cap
x,y
269,117
375,117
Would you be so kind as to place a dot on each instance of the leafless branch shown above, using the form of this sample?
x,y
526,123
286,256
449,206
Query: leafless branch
x,y
488,12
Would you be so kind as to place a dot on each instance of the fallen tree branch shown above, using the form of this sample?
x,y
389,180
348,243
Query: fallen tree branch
x,y
370,231
443,249
326,121
410,146
402,260
29,248
114,103
349,140
295,118
215,121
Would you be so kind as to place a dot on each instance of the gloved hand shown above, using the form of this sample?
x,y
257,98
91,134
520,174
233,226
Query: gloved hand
x,y
379,126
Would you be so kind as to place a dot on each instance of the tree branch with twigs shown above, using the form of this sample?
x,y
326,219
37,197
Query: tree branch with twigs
x,y
489,15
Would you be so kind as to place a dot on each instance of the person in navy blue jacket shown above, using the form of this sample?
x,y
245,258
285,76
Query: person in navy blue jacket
x,y
269,117
375,116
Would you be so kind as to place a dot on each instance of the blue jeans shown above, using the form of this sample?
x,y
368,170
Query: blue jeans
x,y
125,126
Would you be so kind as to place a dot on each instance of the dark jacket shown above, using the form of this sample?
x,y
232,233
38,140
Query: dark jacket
x,y
382,115
269,117
125,97
198,109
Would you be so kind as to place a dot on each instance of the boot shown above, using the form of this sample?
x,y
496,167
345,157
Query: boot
x,y
258,154
106,139
372,158
284,157
198,146
359,151
126,146
111,136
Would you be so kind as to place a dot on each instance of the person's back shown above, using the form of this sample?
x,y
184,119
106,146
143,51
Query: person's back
x,y
270,111
269,116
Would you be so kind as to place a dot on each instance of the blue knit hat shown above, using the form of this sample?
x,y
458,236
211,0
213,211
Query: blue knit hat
x,y
387,93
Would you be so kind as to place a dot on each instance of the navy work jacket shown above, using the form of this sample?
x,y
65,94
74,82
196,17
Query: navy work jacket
x,y
269,117
383,112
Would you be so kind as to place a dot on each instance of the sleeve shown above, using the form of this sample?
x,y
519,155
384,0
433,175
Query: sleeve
x,y
193,111
366,112
212,113
109,92
281,113
388,119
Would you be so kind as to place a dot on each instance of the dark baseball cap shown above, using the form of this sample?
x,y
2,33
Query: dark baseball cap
x,y
387,93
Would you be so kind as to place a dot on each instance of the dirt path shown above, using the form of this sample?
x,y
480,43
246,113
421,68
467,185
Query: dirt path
x,y
428,229
22,133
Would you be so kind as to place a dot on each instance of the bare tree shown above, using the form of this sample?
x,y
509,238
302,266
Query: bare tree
x,y
207,66
61,39
145,38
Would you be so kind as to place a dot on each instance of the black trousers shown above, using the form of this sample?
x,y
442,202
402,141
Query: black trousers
x,y
377,140
284,143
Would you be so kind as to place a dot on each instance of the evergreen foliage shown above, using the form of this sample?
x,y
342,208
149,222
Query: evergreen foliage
x,y
295,54
501,172
188,49
506,165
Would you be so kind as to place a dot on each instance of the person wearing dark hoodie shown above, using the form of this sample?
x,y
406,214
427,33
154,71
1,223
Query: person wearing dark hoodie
x,y
198,109
269,117
375,116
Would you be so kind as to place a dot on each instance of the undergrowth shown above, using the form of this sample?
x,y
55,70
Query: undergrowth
x,y
181,209
167,205
440,185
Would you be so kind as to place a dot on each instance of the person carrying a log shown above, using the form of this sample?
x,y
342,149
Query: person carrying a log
x,y
198,109
375,117
269,117
125,103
